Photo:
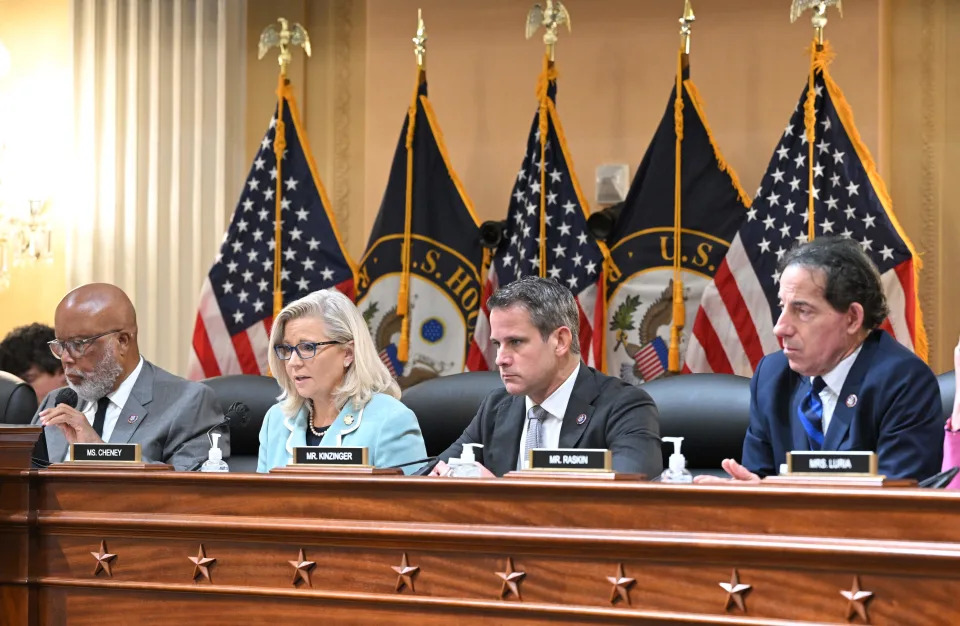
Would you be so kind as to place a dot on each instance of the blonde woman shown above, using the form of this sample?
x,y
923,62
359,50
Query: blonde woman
x,y
336,391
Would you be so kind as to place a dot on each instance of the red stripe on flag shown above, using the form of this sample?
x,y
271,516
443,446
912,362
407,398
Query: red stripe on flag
x,y
712,346
729,292
346,288
203,350
586,335
905,275
245,354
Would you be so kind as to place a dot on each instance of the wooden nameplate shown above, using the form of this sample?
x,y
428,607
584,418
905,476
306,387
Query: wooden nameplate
x,y
109,465
838,481
573,475
338,469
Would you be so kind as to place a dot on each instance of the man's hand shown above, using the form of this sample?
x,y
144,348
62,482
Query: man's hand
x,y
739,475
71,422
442,469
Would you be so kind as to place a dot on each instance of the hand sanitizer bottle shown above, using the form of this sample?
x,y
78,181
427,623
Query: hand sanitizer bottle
x,y
677,471
215,462
465,466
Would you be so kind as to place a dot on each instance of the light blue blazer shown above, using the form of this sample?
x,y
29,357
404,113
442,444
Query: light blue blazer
x,y
387,428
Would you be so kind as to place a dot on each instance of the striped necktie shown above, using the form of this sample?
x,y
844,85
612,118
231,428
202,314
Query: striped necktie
x,y
535,417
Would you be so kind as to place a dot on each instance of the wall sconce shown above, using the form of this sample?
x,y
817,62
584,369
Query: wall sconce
x,y
24,241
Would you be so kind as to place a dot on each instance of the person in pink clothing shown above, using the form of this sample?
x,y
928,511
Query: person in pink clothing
x,y
951,440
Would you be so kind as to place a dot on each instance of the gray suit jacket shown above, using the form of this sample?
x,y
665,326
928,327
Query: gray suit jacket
x,y
619,416
167,415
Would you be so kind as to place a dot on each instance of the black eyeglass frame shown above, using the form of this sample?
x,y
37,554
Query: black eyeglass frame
x,y
76,347
308,345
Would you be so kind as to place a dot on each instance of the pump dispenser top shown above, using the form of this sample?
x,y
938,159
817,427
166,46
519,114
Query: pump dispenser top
x,y
676,471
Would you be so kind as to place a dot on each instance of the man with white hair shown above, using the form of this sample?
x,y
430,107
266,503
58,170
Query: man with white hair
x,y
123,398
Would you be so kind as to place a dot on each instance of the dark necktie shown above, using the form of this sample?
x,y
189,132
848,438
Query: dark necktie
x,y
810,413
535,417
98,420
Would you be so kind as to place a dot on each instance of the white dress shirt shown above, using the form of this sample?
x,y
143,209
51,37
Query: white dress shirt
x,y
118,397
834,380
555,406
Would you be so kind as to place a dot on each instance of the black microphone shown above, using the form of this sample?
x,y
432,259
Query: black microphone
x,y
237,411
41,456
67,396
941,480
426,460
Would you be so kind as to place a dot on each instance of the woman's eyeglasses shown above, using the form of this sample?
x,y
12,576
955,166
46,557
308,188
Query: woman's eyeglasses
x,y
304,349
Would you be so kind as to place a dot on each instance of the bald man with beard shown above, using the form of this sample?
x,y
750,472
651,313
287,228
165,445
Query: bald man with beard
x,y
123,398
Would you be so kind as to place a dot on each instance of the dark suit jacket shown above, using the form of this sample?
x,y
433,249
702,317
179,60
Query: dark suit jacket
x,y
167,415
897,412
620,417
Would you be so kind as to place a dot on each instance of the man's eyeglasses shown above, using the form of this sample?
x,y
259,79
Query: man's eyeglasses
x,y
304,349
76,347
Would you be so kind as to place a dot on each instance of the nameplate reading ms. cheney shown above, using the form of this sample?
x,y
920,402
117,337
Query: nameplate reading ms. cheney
x,y
323,455
105,452
844,463
573,459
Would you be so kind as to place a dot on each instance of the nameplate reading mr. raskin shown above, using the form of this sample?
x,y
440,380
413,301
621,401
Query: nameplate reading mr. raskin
x,y
570,459
819,462
105,452
323,455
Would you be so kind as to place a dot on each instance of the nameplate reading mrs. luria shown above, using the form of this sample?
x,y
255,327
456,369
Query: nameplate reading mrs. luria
x,y
571,459
843,463
327,455
105,452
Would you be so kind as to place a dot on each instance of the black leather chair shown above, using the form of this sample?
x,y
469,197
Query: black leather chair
x,y
259,393
444,406
948,391
18,401
710,411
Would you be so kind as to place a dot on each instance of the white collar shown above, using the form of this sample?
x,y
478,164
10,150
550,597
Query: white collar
x,y
120,395
835,378
556,403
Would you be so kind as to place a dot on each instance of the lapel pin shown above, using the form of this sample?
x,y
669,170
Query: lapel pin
x,y
851,400
582,419
132,419
348,420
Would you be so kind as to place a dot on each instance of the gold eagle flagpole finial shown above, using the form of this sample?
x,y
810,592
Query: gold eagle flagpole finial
x,y
284,37
419,47
550,17
686,22
819,17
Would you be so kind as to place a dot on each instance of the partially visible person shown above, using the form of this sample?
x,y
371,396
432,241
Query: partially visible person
x,y
336,390
551,399
951,439
25,354
840,382
124,398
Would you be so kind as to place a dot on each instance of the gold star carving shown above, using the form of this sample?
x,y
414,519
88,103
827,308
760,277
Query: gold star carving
x,y
302,568
201,564
104,559
511,581
621,586
405,574
857,601
735,592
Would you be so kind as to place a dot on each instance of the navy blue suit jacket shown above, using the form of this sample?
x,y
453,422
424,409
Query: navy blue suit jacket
x,y
896,412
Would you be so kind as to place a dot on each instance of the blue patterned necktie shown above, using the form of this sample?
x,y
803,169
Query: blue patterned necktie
x,y
810,412
534,433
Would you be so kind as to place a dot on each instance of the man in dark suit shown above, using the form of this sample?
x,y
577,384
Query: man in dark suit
x,y
123,397
840,383
551,399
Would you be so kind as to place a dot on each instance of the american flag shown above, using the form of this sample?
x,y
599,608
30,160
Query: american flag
x,y
652,359
573,257
734,325
231,335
